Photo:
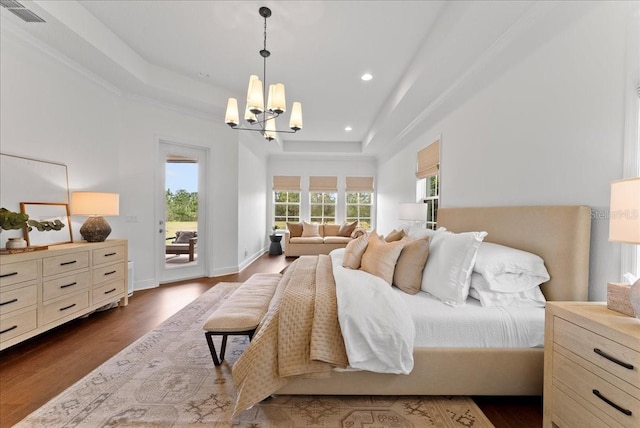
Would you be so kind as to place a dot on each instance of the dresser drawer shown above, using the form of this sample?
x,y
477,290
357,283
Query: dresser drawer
x,y
571,413
64,307
596,392
109,273
67,284
65,263
13,273
14,325
108,254
611,356
12,300
108,292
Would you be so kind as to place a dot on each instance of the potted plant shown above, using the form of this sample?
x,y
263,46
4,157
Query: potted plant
x,y
10,220
273,229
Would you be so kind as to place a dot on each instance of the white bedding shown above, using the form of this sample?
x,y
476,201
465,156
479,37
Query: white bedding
x,y
404,321
376,325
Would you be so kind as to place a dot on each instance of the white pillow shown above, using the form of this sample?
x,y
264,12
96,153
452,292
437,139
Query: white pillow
x,y
310,230
424,233
447,274
480,290
509,270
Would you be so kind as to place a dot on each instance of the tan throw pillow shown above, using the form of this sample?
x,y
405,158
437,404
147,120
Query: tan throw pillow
x,y
354,251
380,258
310,230
396,235
358,232
408,274
347,229
295,229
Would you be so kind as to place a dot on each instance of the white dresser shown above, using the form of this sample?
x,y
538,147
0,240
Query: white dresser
x,y
591,366
40,290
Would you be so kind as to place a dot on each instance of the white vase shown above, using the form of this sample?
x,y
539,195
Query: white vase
x,y
634,297
13,243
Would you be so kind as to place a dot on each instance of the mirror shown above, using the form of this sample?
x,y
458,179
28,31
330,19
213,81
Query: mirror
x,y
24,179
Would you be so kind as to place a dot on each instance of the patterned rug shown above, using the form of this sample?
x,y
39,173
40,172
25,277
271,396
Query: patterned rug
x,y
167,379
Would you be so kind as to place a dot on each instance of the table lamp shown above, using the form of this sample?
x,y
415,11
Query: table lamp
x,y
413,211
624,223
95,205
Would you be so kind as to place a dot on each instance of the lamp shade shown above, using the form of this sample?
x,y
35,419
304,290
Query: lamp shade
x,y
413,211
624,211
95,203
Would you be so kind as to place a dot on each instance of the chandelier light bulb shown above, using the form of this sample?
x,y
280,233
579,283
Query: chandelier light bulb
x,y
295,122
231,117
256,96
270,129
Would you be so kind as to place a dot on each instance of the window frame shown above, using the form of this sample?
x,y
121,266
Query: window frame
x,y
358,205
287,204
323,218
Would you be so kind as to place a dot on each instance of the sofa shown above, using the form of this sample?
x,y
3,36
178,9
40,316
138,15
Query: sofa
x,y
302,239
183,243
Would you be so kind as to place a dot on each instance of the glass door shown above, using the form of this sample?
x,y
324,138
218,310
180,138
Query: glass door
x,y
182,208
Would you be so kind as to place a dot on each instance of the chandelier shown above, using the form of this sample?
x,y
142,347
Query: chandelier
x,y
264,120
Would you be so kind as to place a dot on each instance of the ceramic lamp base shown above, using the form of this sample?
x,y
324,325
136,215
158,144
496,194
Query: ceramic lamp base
x,y
95,229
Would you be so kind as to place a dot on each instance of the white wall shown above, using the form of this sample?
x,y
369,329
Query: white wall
x,y
54,112
548,131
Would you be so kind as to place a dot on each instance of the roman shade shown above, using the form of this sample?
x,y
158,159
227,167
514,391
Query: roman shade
x,y
429,160
286,182
359,184
323,184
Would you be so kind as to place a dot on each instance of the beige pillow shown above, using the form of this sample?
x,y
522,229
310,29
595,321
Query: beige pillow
x,y
347,228
408,274
380,258
354,251
310,230
396,235
295,229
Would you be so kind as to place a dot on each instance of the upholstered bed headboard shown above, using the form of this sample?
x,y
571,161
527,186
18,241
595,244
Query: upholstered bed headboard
x,y
559,234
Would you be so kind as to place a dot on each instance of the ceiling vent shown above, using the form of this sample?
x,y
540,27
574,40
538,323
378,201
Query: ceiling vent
x,y
20,11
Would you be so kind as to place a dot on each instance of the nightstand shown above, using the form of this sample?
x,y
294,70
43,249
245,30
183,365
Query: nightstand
x,y
591,366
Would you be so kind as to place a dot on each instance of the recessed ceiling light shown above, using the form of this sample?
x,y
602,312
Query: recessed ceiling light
x,y
366,77
348,128
203,75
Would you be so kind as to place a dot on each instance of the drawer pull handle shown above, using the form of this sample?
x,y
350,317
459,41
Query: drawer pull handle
x,y
9,329
67,307
68,263
68,285
110,273
611,403
110,291
613,359
10,301
110,254
8,274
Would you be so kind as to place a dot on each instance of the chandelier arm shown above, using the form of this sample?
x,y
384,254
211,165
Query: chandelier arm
x,y
263,130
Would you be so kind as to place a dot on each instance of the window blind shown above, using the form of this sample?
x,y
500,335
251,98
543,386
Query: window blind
x,y
323,184
359,184
286,182
429,160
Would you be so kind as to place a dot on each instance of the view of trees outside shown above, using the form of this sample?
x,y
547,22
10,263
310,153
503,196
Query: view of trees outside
x,y
181,197
359,208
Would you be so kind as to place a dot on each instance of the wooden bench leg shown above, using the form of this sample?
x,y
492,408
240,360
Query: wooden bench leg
x,y
214,355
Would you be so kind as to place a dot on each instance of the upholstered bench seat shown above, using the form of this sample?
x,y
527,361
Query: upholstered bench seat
x,y
241,313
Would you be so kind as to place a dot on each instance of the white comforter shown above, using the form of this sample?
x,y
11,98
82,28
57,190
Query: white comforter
x,y
376,324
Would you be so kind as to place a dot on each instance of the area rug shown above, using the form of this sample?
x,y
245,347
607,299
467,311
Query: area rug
x,y
167,379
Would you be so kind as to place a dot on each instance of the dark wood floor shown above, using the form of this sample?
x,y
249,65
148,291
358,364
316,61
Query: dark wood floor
x,y
33,372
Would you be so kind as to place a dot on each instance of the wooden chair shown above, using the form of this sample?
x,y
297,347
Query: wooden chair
x,y
183,243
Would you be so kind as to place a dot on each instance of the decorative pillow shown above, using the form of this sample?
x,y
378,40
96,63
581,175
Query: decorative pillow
x,y
480,290
184,237
347,228
408,273
310,230
358,232
295,229
395,235
447,274
353,252
422,233
380,258
510,270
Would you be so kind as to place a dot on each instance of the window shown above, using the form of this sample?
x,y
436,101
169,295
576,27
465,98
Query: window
x,y
323,192
286,200
359,199
428,174
286,208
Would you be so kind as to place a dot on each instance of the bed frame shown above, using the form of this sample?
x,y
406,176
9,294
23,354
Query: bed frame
x,y
558,234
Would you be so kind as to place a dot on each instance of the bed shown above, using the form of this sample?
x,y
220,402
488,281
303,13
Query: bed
x,y
558,234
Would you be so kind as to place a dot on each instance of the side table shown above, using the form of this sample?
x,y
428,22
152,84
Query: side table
x,y
275,249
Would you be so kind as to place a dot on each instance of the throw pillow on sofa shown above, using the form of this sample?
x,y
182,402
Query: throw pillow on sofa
x,y
184,237
295,229
310,230
347,229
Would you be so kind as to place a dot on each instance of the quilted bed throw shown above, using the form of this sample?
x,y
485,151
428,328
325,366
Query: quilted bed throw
x,y
299,336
